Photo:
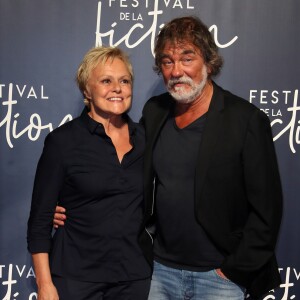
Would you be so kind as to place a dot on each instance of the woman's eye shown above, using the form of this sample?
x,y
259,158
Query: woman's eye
x,y
105,81
126,81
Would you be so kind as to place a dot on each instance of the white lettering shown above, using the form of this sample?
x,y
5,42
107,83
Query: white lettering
x,y
167,2
286,96
32,93
21,92
124,16
33,296
20,272
252,96
263,96
290,127
215,29
1,267
42,93
9,282
297,275
136,3
30,273
188,5
1,86
110,2
122,3
274,99
34,127
266,96
177,3
138,18
286,285
150,32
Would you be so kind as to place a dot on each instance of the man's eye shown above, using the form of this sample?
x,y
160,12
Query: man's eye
x,y
186,60
166,63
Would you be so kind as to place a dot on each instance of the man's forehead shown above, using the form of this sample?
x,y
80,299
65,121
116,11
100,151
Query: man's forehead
x,y
180,48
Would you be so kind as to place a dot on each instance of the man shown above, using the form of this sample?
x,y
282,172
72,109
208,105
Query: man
x,y
212,187
210,159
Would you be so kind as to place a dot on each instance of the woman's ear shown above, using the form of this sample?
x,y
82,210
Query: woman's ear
x,y
87,94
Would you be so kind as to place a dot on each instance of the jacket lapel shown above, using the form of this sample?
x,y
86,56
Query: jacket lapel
x,y
157,121
153,127
209,140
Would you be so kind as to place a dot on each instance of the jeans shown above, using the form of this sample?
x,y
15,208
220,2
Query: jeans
x,y
173,284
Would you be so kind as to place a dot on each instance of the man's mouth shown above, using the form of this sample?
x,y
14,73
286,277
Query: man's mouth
x,y
173,84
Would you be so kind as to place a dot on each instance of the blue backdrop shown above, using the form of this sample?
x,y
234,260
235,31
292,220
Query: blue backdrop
x,y
41,45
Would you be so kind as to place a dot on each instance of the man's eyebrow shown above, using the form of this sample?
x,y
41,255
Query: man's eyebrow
x,y
164,55
184,52
188,51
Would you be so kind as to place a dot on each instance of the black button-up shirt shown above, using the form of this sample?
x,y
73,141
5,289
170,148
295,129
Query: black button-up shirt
x,y
79,167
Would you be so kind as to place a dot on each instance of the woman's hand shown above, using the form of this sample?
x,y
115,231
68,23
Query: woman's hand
x,y
59,217
47,292
46,288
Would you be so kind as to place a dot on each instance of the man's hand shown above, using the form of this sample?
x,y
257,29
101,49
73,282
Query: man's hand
x,y
220,273
59,217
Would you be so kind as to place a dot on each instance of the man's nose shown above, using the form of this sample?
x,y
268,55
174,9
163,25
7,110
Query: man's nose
x,y
177,70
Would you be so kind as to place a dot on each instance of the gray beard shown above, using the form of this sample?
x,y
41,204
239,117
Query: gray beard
x,y
180,95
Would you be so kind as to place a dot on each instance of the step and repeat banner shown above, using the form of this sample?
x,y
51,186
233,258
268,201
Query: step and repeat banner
x,y
43,41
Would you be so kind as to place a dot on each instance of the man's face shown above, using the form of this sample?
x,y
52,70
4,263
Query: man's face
x,y
184,71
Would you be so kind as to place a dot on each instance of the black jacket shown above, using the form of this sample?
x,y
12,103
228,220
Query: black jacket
x,y
238,197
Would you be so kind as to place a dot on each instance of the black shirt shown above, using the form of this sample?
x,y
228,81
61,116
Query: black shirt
x,y
79,167
180,241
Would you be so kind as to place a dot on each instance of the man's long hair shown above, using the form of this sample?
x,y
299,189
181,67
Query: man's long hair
x,y
189,30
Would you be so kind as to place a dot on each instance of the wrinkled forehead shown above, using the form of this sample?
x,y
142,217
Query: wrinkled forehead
x,y
179,47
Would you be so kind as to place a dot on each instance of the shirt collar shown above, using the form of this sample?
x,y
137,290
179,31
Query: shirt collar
x,y
95,127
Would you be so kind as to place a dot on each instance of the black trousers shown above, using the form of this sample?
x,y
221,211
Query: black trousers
x,y
69,289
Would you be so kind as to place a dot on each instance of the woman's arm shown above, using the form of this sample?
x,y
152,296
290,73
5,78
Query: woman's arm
x,y
47,186
46,288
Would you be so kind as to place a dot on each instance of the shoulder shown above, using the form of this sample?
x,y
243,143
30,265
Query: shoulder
x,y
64,133
159,102
155,109
241,108
138,128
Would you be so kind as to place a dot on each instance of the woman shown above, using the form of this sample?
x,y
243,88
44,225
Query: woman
x,y
93,165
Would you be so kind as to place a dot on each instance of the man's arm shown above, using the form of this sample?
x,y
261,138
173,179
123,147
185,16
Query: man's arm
x,y
255,252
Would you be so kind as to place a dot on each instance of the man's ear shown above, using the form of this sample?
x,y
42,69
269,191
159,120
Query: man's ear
x,y
208,68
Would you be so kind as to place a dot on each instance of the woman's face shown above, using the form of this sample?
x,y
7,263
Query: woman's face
x,y
109,90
